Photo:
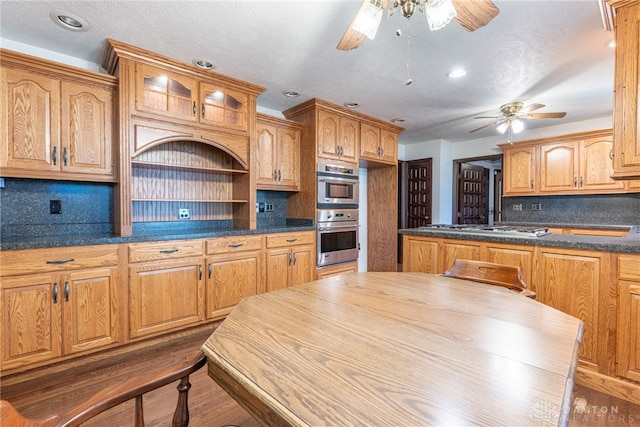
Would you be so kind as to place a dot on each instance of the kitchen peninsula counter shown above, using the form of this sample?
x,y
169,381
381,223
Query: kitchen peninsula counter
x,y
629,244
36,242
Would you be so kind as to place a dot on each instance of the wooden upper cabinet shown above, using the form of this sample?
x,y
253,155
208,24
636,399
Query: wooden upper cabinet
x,y
389,144
626,117
558,167
338,137
370,142
58,121
31,119
278,154
596,165
519,173
176,96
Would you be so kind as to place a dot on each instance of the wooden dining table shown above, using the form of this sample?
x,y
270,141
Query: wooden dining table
x,y
397,349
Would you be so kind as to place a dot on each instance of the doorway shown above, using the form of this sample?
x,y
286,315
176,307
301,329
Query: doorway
x,y
477,190
415,195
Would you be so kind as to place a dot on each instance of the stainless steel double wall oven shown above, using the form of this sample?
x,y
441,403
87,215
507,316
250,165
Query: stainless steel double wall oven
x,y
337,214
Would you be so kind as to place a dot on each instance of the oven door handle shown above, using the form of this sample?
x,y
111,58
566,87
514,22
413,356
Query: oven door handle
x,y
336,227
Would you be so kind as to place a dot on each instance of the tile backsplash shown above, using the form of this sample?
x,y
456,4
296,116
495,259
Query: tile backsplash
x,y
602,209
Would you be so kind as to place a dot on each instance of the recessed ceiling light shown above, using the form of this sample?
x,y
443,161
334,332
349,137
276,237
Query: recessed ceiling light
x,y
351,104
397,121
291,93
69,21
205,65
456,74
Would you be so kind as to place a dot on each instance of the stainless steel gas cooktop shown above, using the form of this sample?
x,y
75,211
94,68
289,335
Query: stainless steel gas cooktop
x,y
502,230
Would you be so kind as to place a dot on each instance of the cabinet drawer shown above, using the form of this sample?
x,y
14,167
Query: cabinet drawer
x,y
28,261
140,252
223,245
629,267
290,239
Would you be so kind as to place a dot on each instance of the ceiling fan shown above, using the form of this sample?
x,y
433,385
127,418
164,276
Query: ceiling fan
x,y
512,115
471,14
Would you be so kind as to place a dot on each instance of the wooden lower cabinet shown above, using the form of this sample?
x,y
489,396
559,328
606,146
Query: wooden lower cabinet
x,y
521,256
421,254
628,339
290,259
233,273
458,249
62,312
336,270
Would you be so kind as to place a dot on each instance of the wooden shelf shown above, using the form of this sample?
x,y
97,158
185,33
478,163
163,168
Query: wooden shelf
x,y
184,167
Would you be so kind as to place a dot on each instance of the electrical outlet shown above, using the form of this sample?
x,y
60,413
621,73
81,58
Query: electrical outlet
x,y
260,207
517,207
55,207
184,213
536,206
257,207
268,207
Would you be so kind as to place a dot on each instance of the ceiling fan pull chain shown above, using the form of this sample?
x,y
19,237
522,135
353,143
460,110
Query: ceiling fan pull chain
x,y
409,80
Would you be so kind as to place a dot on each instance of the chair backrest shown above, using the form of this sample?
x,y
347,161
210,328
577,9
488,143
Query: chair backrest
x,y
508,276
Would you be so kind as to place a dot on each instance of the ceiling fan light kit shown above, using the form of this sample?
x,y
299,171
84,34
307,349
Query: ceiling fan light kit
x,y
439,13
368,20
513,116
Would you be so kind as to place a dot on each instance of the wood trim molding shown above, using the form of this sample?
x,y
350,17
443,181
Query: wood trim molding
x,y
567,137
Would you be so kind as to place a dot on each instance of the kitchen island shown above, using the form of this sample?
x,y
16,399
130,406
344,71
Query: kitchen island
x,y
594,278
397,349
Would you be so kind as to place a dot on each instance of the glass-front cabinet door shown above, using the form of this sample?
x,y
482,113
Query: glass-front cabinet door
x,y
162,92
223,107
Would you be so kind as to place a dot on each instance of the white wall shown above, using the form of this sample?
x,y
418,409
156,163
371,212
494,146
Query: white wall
x,y
444,153
50,55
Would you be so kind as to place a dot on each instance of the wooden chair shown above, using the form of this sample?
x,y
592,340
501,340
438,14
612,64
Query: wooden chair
x,y
508,276
133,388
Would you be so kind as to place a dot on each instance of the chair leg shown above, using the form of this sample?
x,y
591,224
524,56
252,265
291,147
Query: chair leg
x,y
139,421
181,415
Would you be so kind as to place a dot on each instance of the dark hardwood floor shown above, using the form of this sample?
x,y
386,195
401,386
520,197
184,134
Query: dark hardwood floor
x,y
210,406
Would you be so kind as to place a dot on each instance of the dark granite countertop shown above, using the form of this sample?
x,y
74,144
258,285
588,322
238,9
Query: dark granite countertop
x,y
584,226
629,244
34,242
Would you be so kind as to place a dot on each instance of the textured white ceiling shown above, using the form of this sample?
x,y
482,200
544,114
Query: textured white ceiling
x,y
548,52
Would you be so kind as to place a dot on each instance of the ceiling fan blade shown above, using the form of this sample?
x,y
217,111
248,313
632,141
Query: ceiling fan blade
x,y
352,39
474,14
532,107
486,126
544,116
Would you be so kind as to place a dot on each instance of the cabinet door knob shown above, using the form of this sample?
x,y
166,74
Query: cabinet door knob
x,y
55,292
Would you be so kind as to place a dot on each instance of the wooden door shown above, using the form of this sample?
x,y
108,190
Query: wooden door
x,y
90,309
31,319
278,261
348,138
266,169
596,165
165,296
370,142
327,137
419,191
628,348
473,194
87,119
519,170
30,118
303,264
288,158
559,167
168,94
230,278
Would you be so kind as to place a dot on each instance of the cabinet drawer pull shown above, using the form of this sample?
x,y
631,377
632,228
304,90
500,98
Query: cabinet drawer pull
x,y
290,259
581,182
168,251
61,261
64,156
55,292
195,109
235,245
203,110
611,154
66,291
200,272
279,175
294,259
532,184
575,181
54,156
291,240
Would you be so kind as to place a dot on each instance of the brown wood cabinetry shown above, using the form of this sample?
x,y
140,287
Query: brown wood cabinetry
x,y
277,154
290,259
338,137
458,249
520,256
57,302
378,145
336,270
164,104
571,164
421,254
59,120
234,271
166,286
626,120
628,341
